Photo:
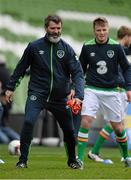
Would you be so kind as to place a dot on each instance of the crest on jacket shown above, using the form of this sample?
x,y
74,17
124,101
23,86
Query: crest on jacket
x,y
60,53
110,53
33,98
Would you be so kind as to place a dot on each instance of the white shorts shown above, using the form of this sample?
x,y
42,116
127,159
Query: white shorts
x,y
111,104
124,104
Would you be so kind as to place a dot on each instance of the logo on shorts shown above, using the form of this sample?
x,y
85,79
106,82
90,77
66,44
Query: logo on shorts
x,y
33,97
60,53
110,53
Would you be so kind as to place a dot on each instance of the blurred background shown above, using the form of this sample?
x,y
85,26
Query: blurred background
x,y
21,21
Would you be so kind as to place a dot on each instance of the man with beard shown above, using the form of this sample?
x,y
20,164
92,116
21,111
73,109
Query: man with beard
x,y
52,62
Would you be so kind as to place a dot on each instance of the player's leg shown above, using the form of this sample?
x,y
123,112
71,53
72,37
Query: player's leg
x,y
124,103
121,139
103,135
63,115
83,136
89,109
113,108
76,123
32,110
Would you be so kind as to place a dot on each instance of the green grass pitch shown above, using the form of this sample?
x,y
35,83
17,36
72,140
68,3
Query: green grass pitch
x,y
50,163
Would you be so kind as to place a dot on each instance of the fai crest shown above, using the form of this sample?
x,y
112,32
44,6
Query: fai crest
x,y
33,97
110,53
60,53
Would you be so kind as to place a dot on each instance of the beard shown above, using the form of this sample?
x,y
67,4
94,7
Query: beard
x,y
53,37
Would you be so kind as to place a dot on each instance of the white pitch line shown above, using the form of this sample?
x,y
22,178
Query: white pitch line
x,y
19,27
114,21
23,28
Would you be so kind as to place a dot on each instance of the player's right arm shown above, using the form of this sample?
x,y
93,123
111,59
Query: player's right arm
x,y
20,69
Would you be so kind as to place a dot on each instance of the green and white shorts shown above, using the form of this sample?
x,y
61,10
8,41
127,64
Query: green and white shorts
x,y
112,104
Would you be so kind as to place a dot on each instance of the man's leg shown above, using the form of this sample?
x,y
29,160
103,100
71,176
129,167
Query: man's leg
x,y
121,139
83,136
76,123
103,135
25,141
82,143
64,117
89,110
32,111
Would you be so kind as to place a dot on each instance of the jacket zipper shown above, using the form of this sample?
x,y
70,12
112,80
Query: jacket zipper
x,y
51,75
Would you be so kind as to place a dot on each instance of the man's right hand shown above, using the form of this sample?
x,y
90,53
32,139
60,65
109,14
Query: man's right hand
x,y
9,95
71,95
75,105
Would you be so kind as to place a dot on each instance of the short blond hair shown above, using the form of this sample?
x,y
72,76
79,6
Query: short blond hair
x,y
100,21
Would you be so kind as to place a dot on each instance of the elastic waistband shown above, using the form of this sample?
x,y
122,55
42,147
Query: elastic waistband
x,y
116,89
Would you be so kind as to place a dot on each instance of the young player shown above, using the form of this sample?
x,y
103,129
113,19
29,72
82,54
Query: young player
x,y
100,59
124,38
